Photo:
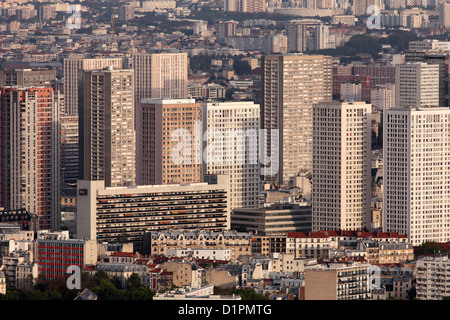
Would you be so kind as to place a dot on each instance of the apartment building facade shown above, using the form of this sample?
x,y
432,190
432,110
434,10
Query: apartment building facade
x,y
417,84
106,121
169,150
231,147
338,281
238,243
432,278
291,84
108,213
341,188
160,75
71,69
54,257
415,178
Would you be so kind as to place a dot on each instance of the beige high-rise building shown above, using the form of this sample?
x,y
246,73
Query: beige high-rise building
x,y
291,84
231,132
28,77
341,191
171,148
416,173
417,84
383,97
72,67
444,14
106,120
338,281
160,75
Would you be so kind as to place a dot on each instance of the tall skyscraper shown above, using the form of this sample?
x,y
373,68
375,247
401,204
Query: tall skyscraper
x,y
383,97
171,141
72,67
160,75
226,29
416,173
69,149
291,84
417,84
341,189
322,37
29,152
106,120
444,14
296,36
231,148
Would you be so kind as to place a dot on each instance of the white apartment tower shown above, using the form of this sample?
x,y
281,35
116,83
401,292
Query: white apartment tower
x,y
383,97
291,84
416,177
72,67
417,84
235,125
322,37
341,188
106,120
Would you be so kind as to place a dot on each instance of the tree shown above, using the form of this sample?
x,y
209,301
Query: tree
x,y
107,291
431,247
133,282
123,238
241,67
99,276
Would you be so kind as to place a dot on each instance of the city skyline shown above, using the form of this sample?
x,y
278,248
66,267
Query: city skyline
x,y
224,151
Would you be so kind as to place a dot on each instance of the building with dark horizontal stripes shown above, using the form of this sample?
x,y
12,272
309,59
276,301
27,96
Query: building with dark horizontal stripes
x,y
112,213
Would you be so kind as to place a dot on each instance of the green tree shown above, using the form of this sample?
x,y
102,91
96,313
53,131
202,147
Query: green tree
x,y
99,276
107,291
133,282
241,67
430,247
123,238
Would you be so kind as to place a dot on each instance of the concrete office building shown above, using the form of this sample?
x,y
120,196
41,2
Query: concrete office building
x,y
106,213
278,218
291,84
106,119
55,256
341,189
416,166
